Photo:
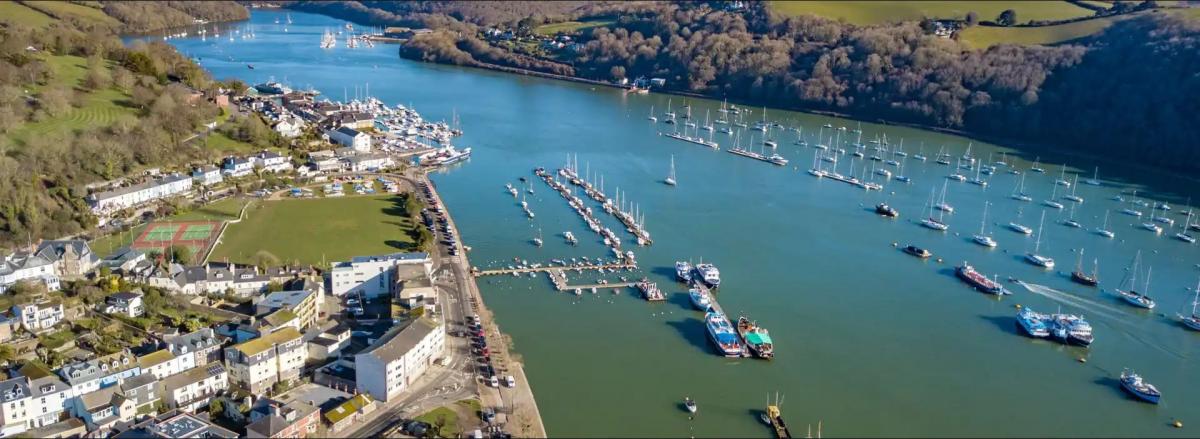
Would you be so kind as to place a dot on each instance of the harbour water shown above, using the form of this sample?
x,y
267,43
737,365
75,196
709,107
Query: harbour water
x,y
868,340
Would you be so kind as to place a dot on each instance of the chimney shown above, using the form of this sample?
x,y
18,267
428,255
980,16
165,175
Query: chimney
x,y
206,268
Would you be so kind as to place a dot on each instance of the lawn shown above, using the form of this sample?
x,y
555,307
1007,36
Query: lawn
x,y
222,144
18,13
100,108
570,26
985,36
81,12
318,231
445,417
878,12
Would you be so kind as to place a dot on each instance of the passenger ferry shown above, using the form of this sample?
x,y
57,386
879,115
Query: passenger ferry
x,y
722,334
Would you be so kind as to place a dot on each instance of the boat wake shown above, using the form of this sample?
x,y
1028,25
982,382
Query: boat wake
x,y
1093,307
1089,305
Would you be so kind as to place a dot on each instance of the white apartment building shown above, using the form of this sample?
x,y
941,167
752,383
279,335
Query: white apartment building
x,y
207,175
34,399
350,137
21,266
138,194
258,364
373,276
272,162
89,376
393,362
370,162
128,304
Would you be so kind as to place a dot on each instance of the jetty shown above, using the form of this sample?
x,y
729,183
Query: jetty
x,y
631,221
552,268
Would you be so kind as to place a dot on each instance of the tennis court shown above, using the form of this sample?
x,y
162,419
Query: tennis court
x,y
199,236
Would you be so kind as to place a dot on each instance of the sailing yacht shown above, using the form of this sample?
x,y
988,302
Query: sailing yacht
x,y
1070,222
1019,192
1149,225
1193,321
669,115
1073,197
538,240
1016,226
1182,235
1140,300
983,238
1062,177
1095,180
670,180
1050,202
707,126
1035,258
1103,229
929,222
943,205
652,117
1083,278
1035,167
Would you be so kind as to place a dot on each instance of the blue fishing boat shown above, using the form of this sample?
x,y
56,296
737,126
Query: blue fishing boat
x,y
722,334
1133,383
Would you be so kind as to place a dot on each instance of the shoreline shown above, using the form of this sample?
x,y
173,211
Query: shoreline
x,y
520,409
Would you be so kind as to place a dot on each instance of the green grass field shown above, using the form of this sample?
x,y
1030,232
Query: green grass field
x,y
223,145
17,13
444,416
100,108
313,231
570,26
981,37
877,12
81,12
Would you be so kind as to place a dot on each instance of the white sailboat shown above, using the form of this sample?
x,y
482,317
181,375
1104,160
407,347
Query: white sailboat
x,y
1070,222
1019,191
1016,225
929,222
1095,180
538,239
1073,197
1192,321
1103,229
1035,258
670,180
1062,177
943,205
707,126
652,117
1050,202
983,238
1130,295
1183,235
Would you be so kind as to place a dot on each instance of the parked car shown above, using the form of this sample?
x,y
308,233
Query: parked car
x,y
492,381
510,381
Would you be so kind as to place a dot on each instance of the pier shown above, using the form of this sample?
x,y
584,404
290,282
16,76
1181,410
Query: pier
x,y
552,268
635,223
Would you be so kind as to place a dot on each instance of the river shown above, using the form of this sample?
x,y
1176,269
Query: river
x,y
868,341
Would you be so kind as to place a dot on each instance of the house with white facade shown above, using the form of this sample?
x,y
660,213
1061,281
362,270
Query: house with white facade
x,y
398,358
209,278
163,363
272,162
290,126
34,398
257,364
207,175
126,303
38,315
204,345
370,162
192,390
26,266
139,194
234,167
373,276
103,409
351,138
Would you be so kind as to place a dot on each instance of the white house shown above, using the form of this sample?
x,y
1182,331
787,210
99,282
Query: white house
x,y
272,162
40,315
398,358
138,194
204,345
350,137
207,175
370,162
192,390
21,266
373,276
128,304
33,399
163,363
237,166
290,127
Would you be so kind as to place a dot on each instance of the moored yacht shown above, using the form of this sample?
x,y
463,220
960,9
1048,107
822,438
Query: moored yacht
x,y
1034,257
1129,285
756,338
701,299
1132,382
683,271
722,334
709,274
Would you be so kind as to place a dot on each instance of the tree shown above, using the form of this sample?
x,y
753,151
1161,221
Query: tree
x,y
180,254
617,72
972,18
216,408
55,100
1007,18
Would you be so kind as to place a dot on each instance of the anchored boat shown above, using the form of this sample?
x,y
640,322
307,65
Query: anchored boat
x,y
756,337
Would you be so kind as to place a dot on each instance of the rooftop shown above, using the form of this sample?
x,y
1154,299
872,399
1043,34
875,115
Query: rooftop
x,y
282,299
155,358
258,345
347,408
398,341
193,375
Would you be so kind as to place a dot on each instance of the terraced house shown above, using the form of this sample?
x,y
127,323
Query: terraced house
x,y
99,373
258,364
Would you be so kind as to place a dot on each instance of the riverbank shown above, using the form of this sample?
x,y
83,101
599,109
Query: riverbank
x,y
518,403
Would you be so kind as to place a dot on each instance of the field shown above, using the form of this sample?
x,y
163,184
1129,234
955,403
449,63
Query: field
x,y
80,12
196,235
17,13
877,12
101,107
220,143
981,37
318,231
570,26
